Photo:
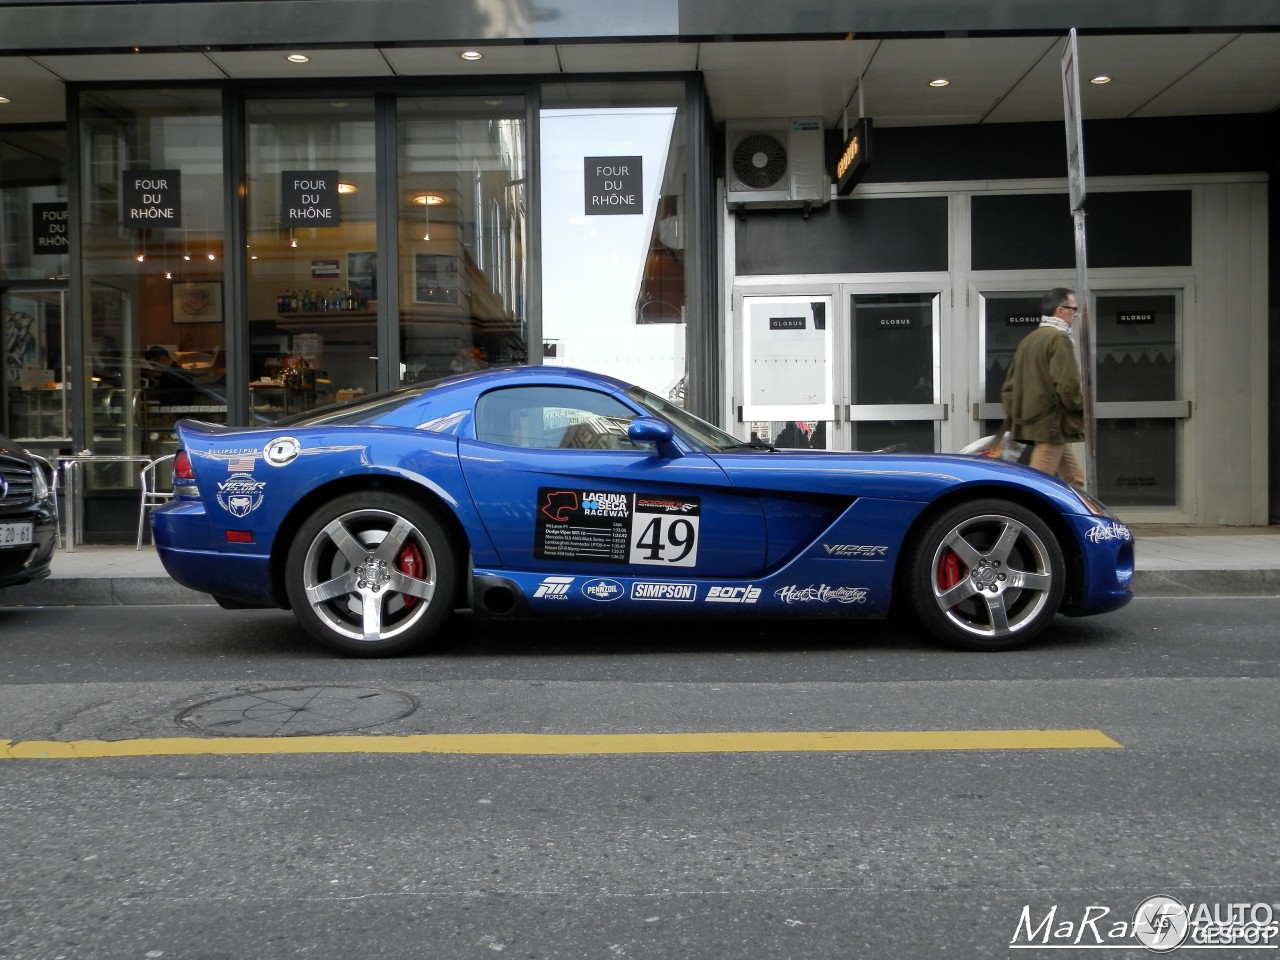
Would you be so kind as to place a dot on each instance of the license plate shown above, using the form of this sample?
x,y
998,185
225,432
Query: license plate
x,y
15,534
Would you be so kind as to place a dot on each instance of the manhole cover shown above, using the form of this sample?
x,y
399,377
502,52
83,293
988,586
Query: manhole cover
x,y
299,711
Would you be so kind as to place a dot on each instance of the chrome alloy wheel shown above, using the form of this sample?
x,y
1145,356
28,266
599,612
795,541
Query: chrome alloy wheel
x,y
369,575
993,576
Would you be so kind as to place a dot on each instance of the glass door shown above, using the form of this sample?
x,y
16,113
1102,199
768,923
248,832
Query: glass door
x,y
1139,405
843,368
894,383
36,412
788,371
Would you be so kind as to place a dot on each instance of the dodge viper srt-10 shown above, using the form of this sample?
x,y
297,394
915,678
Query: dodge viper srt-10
x,y
543,491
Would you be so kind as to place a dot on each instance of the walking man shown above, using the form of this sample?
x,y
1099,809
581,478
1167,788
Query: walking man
x,y
1042,401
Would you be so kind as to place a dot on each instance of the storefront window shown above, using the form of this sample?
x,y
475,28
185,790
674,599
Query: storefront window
x,y
462,199
153,298
312,281
613,189
34,264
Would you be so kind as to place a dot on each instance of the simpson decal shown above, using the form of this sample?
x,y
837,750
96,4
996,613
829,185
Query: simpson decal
x,y
240,494
641,528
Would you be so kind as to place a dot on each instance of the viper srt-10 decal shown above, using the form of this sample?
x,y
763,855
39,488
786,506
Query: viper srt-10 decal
x,y
642,528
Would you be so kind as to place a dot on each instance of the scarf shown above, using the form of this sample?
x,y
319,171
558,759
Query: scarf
x,y
1056,324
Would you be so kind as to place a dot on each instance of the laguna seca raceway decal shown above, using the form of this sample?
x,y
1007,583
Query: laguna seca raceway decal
x,y
643,528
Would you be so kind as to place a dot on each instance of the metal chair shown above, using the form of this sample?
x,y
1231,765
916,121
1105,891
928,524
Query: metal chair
x,y
152,493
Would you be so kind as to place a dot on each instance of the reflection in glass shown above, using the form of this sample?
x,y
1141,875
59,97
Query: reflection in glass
x,y
613,167
136,269
463,218
312,284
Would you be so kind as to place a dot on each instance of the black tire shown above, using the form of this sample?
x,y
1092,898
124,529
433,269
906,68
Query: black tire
x,y
372,574
986,575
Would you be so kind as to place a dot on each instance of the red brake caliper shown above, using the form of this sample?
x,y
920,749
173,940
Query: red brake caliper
x,y
410,562
948,570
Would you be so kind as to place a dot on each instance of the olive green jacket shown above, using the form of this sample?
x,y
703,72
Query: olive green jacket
x,y
1041,393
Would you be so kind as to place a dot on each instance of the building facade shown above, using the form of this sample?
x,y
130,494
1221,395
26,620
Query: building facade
x,y
238,217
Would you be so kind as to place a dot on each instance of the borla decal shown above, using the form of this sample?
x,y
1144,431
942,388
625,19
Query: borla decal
x,y
240,494
653,529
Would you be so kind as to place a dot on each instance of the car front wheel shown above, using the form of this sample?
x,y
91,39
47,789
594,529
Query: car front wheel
x,y
986,575
372,574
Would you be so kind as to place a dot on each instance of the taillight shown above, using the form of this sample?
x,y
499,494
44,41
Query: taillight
x,y
182,468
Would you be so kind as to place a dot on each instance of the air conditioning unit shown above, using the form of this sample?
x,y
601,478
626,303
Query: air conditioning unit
x,y
776,163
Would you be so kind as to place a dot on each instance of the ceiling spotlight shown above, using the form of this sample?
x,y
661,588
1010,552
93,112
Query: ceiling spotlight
x,y
5,100
1101,79
428,199
471,55
940,82
298,58
141,258
213,256
345,187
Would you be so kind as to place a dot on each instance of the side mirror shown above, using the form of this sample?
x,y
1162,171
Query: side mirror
x,y
655,431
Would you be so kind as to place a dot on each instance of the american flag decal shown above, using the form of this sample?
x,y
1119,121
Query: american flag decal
x,y
243,463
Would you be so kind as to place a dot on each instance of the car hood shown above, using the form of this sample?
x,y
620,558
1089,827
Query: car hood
x,y
891,476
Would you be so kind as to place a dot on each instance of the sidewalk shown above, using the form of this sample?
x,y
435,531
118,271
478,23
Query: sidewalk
x,y
1173,561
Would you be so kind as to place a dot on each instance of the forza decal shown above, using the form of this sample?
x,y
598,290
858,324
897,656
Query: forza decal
x,y
603,589
640,528
1102,532
240,494
680,592
553,588
733,594
856,550
822,593
281,451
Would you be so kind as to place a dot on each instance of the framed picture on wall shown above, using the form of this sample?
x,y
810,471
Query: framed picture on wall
x,y
435,278
362,274
197,301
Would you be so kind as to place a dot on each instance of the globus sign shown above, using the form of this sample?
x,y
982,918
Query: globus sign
x,y
855,157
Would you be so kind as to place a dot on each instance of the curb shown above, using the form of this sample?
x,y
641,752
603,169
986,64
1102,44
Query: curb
x,y
162,591
1206,583
100,592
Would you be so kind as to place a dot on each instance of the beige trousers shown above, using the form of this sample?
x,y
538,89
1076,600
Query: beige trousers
x,y
1057,459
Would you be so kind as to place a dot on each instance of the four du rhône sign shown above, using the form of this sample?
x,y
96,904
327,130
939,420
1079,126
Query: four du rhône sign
x,y
151,198
309,198
613,185
49,227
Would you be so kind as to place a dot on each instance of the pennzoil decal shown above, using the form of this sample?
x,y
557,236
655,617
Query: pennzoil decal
x,y
240,494
642,528
281,450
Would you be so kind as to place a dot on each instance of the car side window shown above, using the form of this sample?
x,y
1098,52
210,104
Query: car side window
x,y
554,418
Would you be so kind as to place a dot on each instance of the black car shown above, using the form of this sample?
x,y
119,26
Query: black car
x,y
28,515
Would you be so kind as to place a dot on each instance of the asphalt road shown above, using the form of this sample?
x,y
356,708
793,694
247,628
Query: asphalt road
x,y
784,853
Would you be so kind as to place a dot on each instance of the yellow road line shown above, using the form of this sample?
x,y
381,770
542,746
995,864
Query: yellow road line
x,y
564,744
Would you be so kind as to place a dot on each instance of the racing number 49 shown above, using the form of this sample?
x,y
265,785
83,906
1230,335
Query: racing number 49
x,y
667,540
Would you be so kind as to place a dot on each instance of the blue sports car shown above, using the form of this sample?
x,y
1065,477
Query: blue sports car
x,y
547,491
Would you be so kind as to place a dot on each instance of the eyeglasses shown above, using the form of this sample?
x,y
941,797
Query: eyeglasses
x,y
1072,309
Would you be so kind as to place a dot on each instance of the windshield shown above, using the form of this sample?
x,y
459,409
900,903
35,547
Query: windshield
x,y
694,429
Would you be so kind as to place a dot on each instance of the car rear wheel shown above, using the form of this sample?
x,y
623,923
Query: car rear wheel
x,y
986,575
372,574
